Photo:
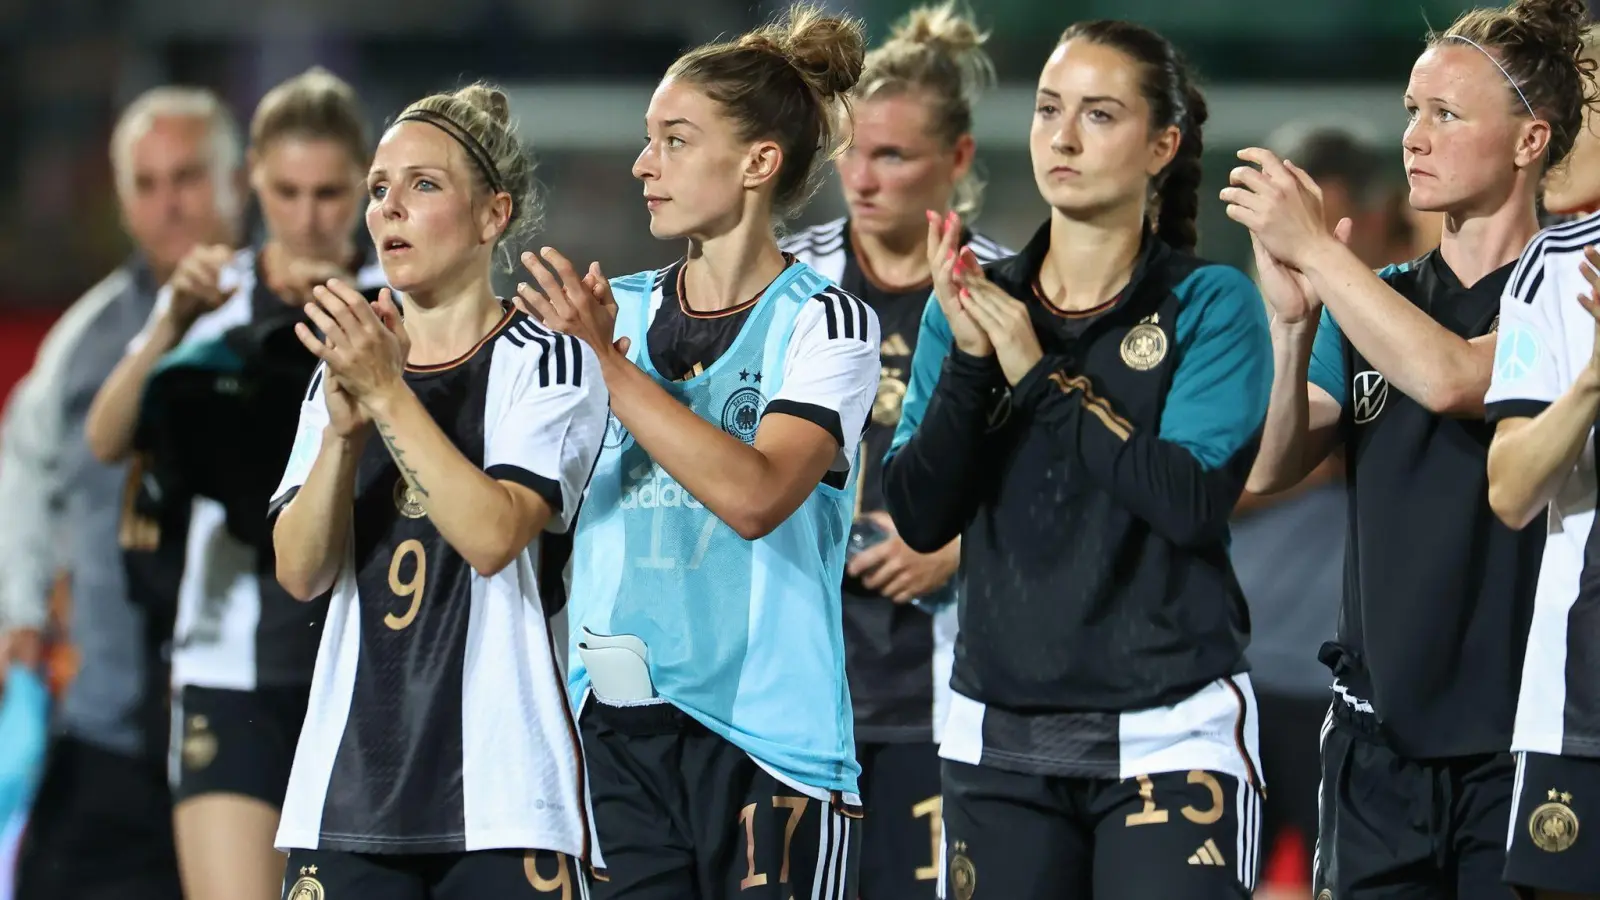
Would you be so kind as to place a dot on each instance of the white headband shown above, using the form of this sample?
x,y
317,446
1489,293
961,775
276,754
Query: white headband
x,y
1502,71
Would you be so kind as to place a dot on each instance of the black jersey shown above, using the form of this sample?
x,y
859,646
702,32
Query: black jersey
x,y
1438,593
897,655
438,719
236,628
1102,631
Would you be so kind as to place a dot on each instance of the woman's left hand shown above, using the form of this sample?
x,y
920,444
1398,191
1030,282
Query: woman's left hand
x,y
580,306
1004,319
1279,203
364,344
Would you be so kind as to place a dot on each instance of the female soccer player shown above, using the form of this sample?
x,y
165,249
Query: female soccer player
x,y
705,616
911,151
438,758
242,649
1089,436
1544,398
1417,782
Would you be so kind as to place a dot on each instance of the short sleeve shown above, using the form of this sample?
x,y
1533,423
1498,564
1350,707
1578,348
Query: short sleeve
x,y
1529,364
934,341
831,369
307,442
1327,360
551,407
1218,399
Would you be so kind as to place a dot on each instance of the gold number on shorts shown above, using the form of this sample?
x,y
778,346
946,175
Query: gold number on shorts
x,y
797,808
1151,814
1215,812
747,817
753,878
411,588
933,809
561,883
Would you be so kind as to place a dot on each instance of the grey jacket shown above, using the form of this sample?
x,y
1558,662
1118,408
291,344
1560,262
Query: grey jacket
x,y
62,510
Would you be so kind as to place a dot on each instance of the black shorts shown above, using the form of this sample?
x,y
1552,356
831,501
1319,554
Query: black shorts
x,y
679,812
100,829
1172,835
905,824
1394,827
500,874
1547,849
1289,764
235,742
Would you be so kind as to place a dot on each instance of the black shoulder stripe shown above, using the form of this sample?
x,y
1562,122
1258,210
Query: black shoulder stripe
x,y
560,355
846,315
544,358
561,360
316,381
1533,286
832,316
1566,239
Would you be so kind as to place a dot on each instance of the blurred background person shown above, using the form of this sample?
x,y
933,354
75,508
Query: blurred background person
x,y
912,152
101,825
1572,189
243,649
1288,548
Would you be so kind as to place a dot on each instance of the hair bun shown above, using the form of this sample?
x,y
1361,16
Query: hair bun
x,y
941,28
828,51
1560,23
489,100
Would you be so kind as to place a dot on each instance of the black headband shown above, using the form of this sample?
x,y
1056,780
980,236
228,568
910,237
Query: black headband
x,y
480,156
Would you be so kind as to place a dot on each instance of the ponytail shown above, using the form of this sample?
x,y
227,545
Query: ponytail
x,y
1179,190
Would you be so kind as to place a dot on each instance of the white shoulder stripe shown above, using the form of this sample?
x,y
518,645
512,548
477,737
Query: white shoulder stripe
x,y
814,238
988,250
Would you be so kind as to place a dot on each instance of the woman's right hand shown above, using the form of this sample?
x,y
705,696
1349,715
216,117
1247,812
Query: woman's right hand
x,y
944,255
345,416
195,282
1288,292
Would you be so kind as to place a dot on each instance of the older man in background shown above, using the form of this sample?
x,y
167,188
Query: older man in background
x,y
101,823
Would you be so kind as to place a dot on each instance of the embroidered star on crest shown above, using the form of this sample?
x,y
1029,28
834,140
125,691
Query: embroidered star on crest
x,y
744,374
1566,798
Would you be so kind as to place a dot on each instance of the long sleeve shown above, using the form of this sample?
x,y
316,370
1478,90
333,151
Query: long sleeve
x,y
934,481
34,437
1186,479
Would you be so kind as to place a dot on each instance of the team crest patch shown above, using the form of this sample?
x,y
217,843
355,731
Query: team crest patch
x,y
308,887
407,501
1325,895
1144,346
199,744
1554,826
1370,392
891,396
741,415
963,874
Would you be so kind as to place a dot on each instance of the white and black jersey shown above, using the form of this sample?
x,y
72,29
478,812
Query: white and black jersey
x,y
236,627
1546,340
899,657
437,721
